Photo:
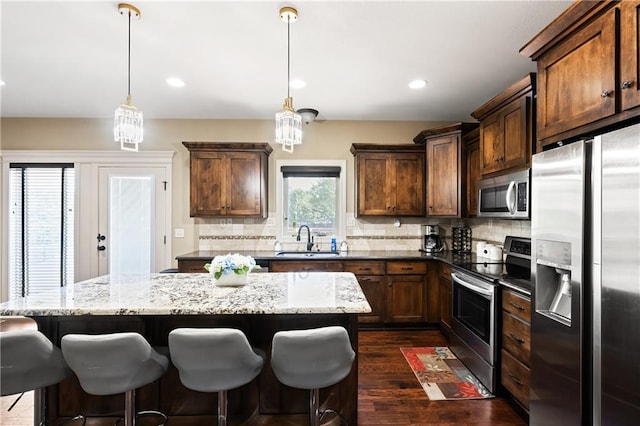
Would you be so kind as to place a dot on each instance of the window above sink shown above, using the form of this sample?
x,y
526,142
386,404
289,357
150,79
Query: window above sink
x,y
312,193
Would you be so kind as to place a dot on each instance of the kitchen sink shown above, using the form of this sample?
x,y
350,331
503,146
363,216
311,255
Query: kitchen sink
x,y
307,254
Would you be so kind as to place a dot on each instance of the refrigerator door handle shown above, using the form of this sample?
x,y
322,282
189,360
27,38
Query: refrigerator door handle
x,y
510,197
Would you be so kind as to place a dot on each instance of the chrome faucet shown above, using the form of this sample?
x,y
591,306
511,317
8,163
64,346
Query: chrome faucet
x,y
309,237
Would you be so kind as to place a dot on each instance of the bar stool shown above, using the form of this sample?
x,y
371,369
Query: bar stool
x,y
214,360
312,359
29,361
108,364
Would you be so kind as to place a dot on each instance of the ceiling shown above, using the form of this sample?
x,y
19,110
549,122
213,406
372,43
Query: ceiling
x,y
69,59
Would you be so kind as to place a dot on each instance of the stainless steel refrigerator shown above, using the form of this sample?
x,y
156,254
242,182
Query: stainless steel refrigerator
x,y
585,329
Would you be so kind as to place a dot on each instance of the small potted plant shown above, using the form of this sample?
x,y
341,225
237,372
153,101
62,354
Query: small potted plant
x,y
231,269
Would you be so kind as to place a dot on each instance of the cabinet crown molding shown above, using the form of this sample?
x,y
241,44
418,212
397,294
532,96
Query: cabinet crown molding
x,y
519,88
463,128
229,146
372,147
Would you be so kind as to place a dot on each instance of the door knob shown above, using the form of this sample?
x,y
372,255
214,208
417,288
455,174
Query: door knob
x,y
101,237
605,93
101,248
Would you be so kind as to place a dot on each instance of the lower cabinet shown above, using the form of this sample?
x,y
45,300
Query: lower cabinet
x,y
406,291
516,345
306,266
444,281
371,276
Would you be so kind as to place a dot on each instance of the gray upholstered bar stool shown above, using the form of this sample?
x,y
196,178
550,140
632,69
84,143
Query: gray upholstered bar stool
x,y
109,364
214,360
29,361
312,359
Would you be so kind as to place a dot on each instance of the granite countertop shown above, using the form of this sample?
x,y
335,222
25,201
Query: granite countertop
x,y
195,294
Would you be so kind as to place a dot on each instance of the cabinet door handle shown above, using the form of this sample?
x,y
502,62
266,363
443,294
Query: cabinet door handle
x,y
407,268
605,93
364,279
518,307
626,84
516,380
516,338
390,283
364,269
307,268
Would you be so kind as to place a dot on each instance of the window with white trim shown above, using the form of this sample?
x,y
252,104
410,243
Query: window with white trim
x,y
41,227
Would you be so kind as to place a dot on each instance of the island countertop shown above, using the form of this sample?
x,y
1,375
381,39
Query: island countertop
x,y
196,294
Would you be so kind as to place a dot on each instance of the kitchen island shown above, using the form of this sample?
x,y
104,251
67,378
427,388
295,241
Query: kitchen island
x,y
155,304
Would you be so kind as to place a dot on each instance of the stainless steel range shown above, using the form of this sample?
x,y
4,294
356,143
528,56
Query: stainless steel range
x,y
476,303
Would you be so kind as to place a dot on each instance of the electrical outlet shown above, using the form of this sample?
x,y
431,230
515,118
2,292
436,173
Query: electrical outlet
x,y
351,221
271,221
179,233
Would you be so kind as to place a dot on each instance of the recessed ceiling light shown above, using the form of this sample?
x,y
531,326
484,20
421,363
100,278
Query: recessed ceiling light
x,y
297,84
175,82
2,83
418,84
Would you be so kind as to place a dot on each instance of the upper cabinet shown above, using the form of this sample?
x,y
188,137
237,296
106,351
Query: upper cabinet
x,y
228,179
389,180
507,128
472,153
446,168
588,69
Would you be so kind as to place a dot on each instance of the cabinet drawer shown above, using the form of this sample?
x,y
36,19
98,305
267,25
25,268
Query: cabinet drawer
x,y
364,267
305,266
515,377
517,305
406,267
516,337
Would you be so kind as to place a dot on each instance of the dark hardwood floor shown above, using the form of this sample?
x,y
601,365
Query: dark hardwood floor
x,y
389,393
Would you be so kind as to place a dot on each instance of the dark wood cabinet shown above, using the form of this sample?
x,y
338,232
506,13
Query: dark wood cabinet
x,y
445,297
516,345
446,169
306,266
588,69
406,292
389,180
228,179
506,128
630,54
472,157
371,276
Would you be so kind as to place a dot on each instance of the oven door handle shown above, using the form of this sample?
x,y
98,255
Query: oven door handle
x,y
472,287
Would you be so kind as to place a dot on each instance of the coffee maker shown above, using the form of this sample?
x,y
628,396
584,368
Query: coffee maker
x,y
432,242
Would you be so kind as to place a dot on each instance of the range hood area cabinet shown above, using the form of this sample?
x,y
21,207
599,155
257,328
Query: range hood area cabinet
x,y
446,177
389,180
588,62
228,179
507,131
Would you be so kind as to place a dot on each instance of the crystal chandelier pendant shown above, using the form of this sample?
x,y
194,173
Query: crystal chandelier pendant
x,y
128,126
127,120
288,126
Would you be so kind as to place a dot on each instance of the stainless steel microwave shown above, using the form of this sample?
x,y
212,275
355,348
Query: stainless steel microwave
x,y
506,197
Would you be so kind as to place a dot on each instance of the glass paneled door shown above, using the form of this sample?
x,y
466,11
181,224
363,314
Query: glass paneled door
x,y
132,223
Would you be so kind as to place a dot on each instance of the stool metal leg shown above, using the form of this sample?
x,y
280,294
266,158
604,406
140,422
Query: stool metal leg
x,y
314,410
222,408
129,408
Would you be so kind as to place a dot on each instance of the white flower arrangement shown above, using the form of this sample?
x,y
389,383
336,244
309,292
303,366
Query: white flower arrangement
x,y
230,264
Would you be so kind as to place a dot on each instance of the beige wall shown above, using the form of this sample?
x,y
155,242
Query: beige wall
x,y
322,140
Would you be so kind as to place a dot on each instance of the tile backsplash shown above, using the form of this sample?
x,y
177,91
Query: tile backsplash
x,y
371,233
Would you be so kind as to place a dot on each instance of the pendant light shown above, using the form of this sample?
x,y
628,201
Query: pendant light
x,y
127,120
288,121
